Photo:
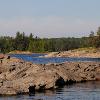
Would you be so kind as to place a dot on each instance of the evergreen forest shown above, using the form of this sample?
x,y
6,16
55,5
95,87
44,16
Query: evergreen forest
x,y
32,43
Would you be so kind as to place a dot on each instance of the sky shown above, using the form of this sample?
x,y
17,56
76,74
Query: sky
x,y
49,18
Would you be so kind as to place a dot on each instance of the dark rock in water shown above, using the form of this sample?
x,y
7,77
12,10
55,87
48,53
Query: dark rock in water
x,y
31,90
60,82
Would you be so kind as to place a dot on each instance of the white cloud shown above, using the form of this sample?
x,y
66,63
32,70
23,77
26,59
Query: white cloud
x,y
51,26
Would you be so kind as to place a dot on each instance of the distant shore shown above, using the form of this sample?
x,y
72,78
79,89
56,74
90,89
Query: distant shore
x,y
81,52
26,52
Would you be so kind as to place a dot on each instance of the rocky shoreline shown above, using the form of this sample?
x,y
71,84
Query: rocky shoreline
x,y
19,77
87,52
20,52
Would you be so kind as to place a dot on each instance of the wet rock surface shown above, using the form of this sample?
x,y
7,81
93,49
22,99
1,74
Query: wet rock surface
x,y
18,76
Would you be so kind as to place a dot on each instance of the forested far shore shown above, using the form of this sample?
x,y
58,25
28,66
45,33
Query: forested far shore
x,y
35,44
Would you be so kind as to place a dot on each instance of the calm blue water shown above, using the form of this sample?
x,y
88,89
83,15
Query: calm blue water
x,y
79,91
40,60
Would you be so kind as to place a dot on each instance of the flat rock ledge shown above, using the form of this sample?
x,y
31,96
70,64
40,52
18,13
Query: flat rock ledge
x,y
75,53
19,77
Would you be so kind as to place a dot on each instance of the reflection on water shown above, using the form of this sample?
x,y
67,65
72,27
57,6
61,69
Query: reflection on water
x,y
79,91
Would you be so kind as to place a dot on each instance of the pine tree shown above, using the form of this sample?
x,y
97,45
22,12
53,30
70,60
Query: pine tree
x,y
31,43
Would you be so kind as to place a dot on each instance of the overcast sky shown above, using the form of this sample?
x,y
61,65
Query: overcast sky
x,y
49,18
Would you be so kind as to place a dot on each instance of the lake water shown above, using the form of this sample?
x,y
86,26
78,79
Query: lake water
x,y
41,60
79,91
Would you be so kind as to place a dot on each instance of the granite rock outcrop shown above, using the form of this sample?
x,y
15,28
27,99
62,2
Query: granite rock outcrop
x,y
18,76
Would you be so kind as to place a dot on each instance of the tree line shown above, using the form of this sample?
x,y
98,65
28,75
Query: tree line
x,y
33,43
